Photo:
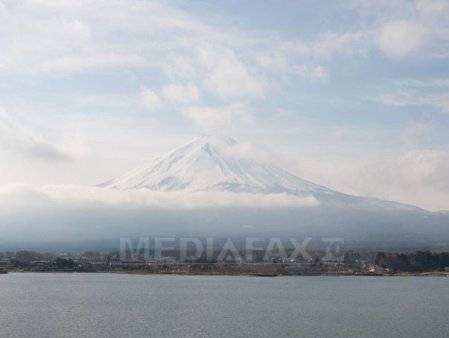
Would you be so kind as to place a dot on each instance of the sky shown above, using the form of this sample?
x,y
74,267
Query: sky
x,y
353,95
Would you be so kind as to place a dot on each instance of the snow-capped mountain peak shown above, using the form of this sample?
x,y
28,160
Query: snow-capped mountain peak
x,y
210,163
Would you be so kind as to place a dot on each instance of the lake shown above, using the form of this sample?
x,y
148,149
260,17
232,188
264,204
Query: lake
x,y
118,305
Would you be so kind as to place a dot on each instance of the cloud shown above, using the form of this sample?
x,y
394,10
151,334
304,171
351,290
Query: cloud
x,y
21,197
440,101
424,166
71,63
213,118
414,175
227,76
349,43
415,131
17,137
401,38
179,67
276,65
329,45
150,99
42,37
316,73
433,92
319,73
405,29
181,93
47,38
245,150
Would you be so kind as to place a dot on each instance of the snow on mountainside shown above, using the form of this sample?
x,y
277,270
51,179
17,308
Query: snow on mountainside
x,y
209,164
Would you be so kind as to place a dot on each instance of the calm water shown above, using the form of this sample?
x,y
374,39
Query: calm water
x,y
111,305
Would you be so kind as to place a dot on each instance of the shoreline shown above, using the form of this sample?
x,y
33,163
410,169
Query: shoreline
x,y
142,273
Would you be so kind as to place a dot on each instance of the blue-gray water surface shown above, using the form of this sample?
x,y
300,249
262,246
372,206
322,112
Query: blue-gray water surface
x,y
113,305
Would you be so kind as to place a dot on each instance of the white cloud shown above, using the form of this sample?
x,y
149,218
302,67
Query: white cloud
x,y
402,38
301,69
433,92
227,76
19,138
21,197
179,67
406,29
277,64
150,99
416,130
398,98
414,175
80,63
432,8
329,45
317,73
440,101
182,93
420,165
47,37
213,118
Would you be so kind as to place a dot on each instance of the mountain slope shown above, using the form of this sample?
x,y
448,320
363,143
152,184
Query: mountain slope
x,y
211,163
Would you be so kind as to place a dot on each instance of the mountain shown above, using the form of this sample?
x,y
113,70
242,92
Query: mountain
x,y
212,187
213,166
211,163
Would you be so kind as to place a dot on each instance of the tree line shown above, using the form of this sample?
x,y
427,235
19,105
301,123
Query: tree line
x,y
421,261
